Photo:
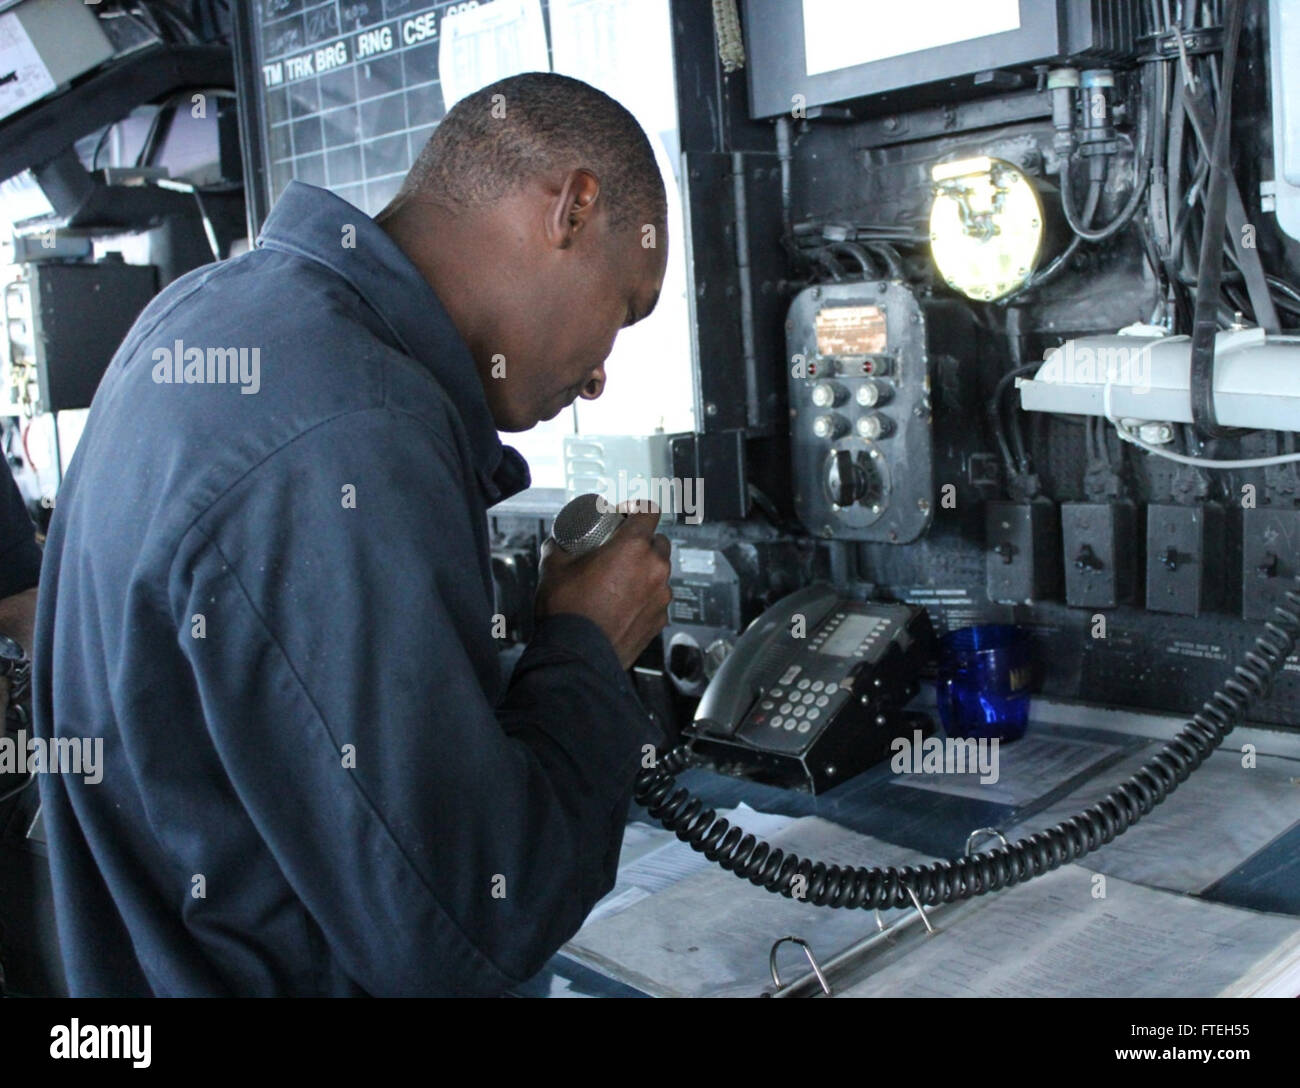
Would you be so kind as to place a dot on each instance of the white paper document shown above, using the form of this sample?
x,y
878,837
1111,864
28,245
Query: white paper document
x,y
1026,769
1210,824
711,932
1071,932
1053,937
653,858
480,45
23,77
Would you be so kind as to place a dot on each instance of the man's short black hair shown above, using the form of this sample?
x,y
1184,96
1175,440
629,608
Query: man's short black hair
x,y
496,139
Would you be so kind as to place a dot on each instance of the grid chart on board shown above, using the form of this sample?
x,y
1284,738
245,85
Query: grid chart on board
x,y
349,91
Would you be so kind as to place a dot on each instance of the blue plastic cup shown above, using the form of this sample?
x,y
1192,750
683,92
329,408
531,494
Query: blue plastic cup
x,y
985,674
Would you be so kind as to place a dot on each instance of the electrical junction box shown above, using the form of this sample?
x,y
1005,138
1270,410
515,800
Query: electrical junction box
x,y
1100,548
860,433
1185,558
44,44
1022,546
66,321
622,468
1270,560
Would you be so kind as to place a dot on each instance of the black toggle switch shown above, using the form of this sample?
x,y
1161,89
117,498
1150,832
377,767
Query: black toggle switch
x,y
845,479
1087,559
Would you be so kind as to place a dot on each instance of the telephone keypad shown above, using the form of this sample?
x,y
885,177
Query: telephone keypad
x,y
802,709
808,702
810,694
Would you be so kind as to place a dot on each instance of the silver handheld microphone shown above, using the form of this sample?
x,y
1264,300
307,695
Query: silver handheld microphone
x,y
586,523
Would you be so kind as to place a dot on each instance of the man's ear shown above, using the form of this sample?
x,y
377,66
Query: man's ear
x,y
573,207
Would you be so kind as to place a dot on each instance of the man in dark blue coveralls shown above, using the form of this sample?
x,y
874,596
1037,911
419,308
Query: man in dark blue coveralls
x,y
267,586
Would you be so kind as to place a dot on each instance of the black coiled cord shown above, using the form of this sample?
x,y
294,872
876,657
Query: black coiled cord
x,y
964,878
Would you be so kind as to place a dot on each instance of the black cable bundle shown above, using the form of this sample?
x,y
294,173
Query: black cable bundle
x,y
1209,285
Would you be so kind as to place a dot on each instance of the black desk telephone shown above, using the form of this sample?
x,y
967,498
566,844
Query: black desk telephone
x,y
812,693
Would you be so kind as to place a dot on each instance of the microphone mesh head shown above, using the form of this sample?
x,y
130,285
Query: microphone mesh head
x,y
585,524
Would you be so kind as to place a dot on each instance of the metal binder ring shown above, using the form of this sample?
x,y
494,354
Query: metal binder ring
x,y
917,904
771,962
983,832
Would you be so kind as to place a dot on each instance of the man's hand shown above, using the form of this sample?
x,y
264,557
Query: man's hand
x,y
622,586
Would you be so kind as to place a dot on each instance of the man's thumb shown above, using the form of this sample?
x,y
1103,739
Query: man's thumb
x,y
553,555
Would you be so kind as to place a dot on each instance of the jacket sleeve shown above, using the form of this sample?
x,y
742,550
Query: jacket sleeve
x,y
347,668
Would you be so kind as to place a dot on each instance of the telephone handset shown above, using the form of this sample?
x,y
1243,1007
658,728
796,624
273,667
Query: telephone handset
x,y
813,692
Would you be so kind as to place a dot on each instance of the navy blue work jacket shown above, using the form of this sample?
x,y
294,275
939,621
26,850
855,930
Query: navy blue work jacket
x,y
267,590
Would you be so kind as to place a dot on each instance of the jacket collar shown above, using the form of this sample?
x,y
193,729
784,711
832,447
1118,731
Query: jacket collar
x,y
313,223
